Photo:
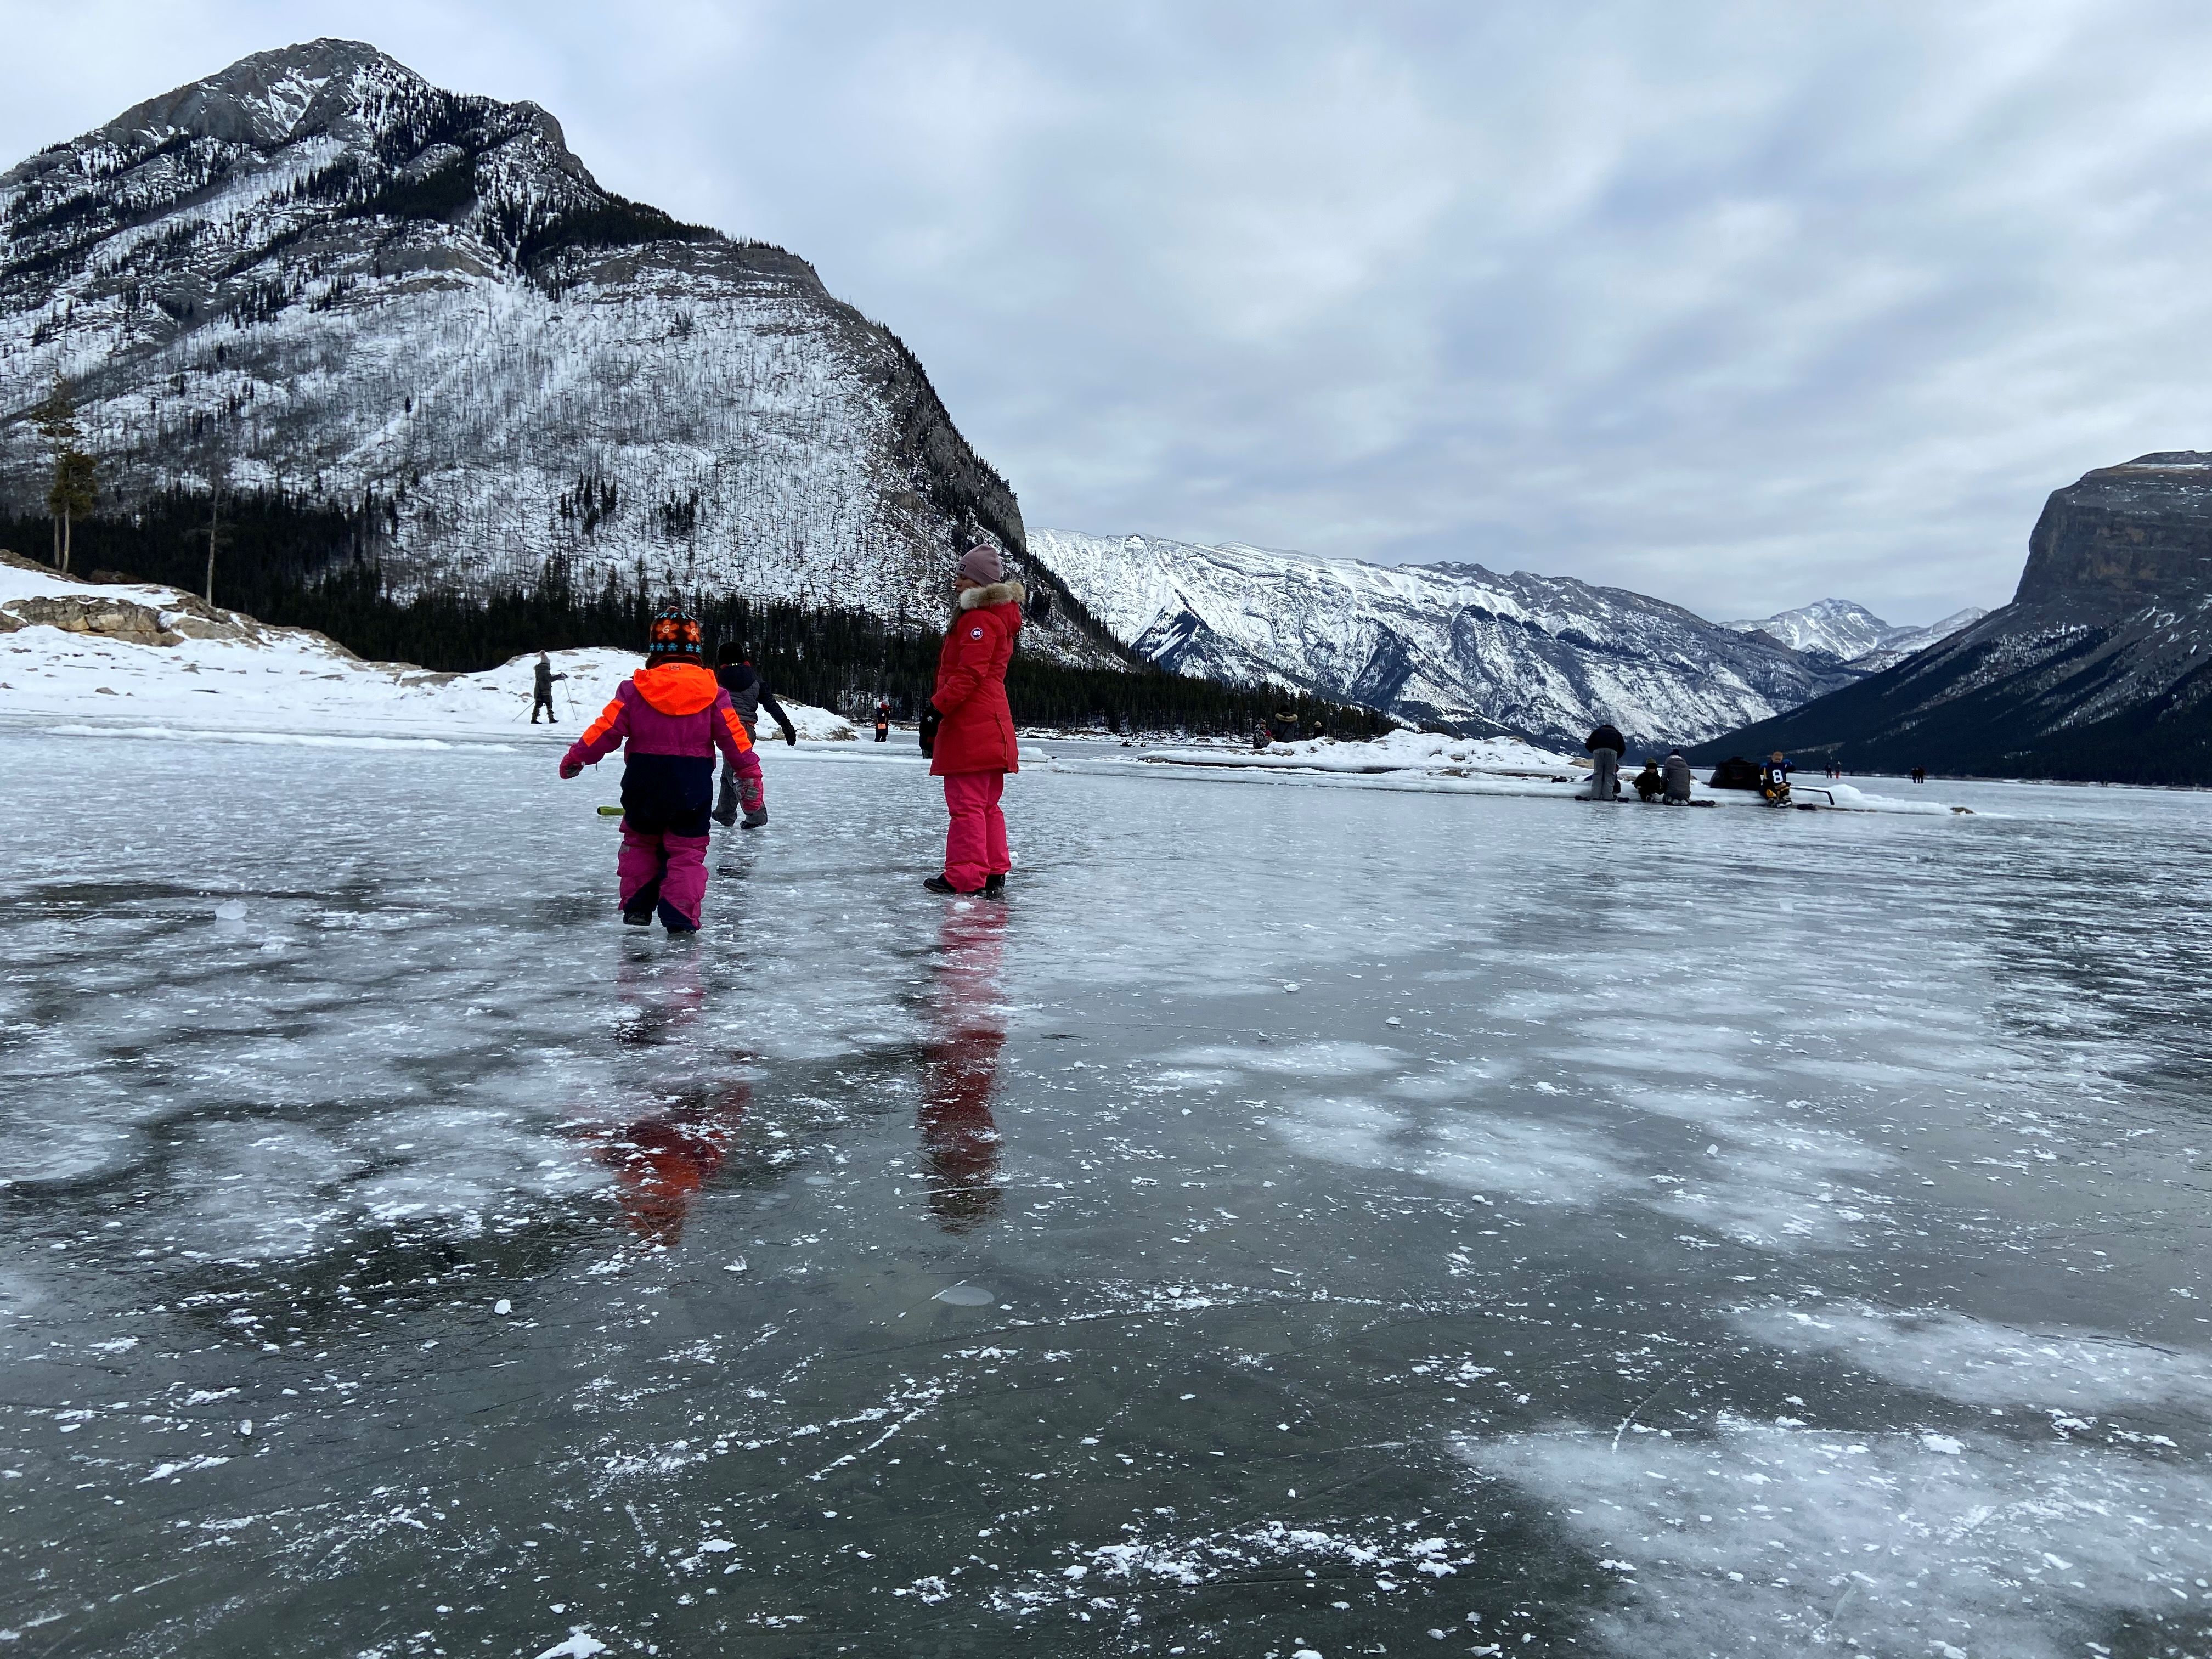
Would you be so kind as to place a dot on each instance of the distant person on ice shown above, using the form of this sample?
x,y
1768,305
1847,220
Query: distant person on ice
x,y
673,715
749,694
1678,778
968,729
883,720
1648,784
1606,747
542,691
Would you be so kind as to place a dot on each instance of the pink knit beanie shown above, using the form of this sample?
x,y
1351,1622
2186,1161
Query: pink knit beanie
x,y
982,565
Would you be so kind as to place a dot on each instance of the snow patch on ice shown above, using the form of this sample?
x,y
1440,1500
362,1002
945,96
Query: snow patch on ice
x,y
1759,1538
1976,1362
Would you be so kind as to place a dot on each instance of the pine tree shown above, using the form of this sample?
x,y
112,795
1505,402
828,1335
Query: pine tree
x,y
75,489
76,492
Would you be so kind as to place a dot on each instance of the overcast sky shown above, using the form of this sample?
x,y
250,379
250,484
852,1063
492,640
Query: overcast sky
x,y
1739,305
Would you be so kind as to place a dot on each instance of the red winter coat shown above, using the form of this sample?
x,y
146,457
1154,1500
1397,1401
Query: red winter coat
x,y
978,733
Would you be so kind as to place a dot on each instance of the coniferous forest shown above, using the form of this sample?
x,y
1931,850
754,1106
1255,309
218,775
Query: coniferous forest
x,y
311,565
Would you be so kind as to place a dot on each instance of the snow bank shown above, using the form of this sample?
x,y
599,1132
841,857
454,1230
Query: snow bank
x,y
100,658
1426,760
1399,752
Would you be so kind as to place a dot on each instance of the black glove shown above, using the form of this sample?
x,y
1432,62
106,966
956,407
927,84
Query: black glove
x,y
791,736
931,719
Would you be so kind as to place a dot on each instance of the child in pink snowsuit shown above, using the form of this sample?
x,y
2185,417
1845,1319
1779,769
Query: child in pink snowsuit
x,y
674,715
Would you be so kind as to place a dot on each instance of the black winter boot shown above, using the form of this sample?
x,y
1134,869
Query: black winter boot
x,y
939,884
994,886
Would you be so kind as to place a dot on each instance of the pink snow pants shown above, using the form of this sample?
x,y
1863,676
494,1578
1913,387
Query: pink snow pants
x,y
975,845
666,872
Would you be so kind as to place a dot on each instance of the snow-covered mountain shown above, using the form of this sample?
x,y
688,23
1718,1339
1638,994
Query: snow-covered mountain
x,y
1904,641
1849,633
2099,668
316,272
1452,644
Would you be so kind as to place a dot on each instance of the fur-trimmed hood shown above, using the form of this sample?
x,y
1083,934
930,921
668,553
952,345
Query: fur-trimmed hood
x,y
1009,592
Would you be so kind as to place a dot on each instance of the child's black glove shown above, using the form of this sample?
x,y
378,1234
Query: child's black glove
x,y
931,719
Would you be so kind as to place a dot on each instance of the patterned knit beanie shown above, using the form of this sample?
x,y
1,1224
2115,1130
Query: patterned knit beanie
x,y
677,636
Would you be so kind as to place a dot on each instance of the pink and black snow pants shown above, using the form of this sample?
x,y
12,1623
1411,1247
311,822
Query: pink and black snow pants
x,y
975,844
666,873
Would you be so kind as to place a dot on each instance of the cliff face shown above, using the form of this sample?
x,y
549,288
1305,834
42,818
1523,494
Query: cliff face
x,y
2100,669
316,272
2122,535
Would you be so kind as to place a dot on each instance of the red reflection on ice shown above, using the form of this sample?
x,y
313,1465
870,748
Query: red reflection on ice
x,y
672,1146
959,1140
665,1156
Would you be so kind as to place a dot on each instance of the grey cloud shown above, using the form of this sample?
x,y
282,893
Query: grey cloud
x,y
1737,305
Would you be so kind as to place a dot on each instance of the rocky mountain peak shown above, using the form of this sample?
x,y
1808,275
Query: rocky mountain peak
x,y
273,97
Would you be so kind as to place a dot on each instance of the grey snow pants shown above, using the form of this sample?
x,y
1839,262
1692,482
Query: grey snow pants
x,y
1605,774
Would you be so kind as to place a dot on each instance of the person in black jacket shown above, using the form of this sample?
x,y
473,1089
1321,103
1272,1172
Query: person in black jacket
x,y
748,694
541,678
1606,747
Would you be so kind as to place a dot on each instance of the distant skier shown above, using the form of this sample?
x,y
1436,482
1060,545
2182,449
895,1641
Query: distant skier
x,y
1606,747
883,720
749,694
543,688
1678,778
967,729
1648,784
673,715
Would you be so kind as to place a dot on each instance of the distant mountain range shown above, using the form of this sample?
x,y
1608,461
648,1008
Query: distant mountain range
x,y
1450,645
1851,635
314,272
2100,668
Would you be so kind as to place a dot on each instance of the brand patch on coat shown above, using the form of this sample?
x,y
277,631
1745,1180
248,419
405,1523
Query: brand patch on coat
x,y
975,633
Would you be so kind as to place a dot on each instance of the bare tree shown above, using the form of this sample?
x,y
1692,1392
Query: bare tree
x,y
215,535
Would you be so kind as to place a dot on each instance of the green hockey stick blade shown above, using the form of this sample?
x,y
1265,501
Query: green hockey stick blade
x,y
610,812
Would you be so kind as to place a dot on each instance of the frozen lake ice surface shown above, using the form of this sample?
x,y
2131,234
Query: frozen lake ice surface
x,y
1303,1220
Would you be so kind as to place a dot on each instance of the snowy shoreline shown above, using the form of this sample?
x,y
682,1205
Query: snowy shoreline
x,y
85,659
90,661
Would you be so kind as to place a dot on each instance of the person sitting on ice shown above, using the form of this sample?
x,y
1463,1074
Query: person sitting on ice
x,y
1774,777
673,715
749,694
1648,782
1678,778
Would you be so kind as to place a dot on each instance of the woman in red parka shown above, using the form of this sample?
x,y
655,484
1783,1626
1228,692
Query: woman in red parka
x,y
967,731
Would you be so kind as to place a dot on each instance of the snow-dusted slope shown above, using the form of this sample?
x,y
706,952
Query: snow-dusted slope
x,y
315,272
1834,627
1906,640
1851,633
136,657
1453,644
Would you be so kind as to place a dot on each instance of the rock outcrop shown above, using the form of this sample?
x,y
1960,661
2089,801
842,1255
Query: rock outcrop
x,y
2100,669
